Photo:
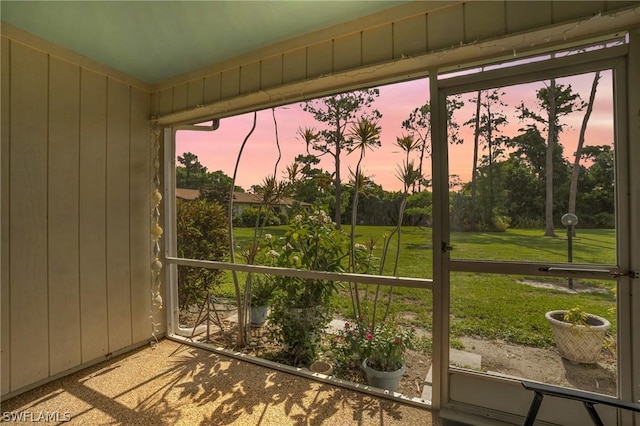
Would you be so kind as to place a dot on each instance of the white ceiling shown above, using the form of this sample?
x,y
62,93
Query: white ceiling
x,y
156,40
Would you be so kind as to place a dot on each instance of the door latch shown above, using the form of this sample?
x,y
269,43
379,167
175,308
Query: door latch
x,y
630,274
445,247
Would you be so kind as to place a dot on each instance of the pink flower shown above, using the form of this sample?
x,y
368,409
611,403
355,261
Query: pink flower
x,y
347,325
368,336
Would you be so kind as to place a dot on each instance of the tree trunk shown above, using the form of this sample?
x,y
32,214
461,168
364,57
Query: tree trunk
x,y
476,138
423,147
575,172
549,230
337,204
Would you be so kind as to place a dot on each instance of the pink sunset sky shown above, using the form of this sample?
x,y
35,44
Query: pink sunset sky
x,y
218,150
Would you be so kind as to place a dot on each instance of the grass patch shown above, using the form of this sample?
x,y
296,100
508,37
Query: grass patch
x,y
488,306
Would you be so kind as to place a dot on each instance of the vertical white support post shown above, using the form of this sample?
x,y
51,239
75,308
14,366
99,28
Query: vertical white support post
x,y
171,270
440,235
632,365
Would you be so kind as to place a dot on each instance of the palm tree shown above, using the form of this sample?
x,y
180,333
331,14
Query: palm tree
x,y
365,134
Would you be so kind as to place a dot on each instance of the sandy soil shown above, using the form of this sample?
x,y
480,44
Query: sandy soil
x,y
544,365
498,357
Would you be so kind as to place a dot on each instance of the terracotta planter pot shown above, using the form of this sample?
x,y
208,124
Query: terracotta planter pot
x,y
578,343
383,379
321,367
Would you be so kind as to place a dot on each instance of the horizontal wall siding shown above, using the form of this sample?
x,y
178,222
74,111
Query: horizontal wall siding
x,y
439,29
75,216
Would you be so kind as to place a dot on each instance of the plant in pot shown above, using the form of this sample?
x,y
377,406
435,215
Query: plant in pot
x,y
302,306
579,335
379,351
261,294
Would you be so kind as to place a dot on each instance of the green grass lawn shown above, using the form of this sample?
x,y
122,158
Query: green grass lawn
x,y
490,306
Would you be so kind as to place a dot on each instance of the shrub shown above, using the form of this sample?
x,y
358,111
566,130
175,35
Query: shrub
x,y
302,307
250,214
201,234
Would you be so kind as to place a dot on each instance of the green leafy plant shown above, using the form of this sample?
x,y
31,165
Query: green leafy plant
x,y
201,234
576,316
383,346
350,346
262,291
302,306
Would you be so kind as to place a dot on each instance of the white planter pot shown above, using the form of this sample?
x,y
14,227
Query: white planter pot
x,y
578,343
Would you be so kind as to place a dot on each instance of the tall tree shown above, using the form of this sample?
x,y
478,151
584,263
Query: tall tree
x,y
575,171
418,124
596,187
191,174
476,143
487,121
555,101
217,187
337,113
365,135
307,182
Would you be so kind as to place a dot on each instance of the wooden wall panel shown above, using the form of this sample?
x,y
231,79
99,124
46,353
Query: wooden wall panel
x,y
410,36
93,267
445,28
377,45
294,66
347,52
140,217
320,59
484,19
154,104
250,78
117,203
196,93
165,102
5,277
567,10
618,4
180,97
63,179
271,72
525,15
230,83
75,168
414,30
212,88
28,213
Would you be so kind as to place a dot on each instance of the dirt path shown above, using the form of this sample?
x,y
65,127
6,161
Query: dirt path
x,y
544,365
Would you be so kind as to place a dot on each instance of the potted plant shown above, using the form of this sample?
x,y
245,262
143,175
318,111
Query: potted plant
x,y
579,335
261,293
302,307
379,351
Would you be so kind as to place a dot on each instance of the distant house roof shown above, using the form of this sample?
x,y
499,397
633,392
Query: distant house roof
x,y
187,194
238,197
247,198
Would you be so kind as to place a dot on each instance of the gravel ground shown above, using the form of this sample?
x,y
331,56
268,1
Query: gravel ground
x,y
175,384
